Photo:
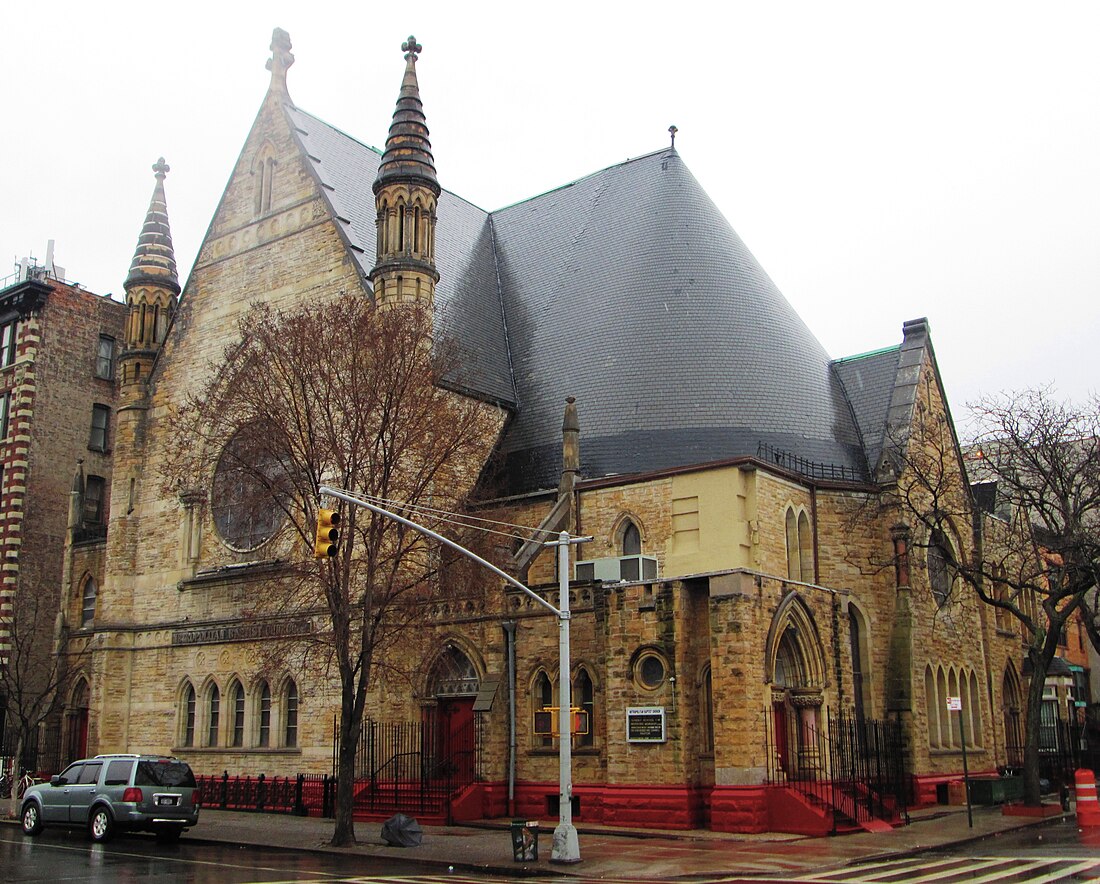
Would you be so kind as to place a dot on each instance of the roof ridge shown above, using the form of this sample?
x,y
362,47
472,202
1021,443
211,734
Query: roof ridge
x,y
881,350
627,161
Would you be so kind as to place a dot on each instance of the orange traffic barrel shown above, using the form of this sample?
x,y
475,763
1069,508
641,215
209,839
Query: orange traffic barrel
x,y
1088,811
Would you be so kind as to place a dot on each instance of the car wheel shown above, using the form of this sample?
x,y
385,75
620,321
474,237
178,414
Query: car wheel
x,y
100,824
32,819
169,834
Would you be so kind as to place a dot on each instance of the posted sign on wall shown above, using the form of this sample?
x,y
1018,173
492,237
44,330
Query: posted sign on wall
x,y
645,724
954,704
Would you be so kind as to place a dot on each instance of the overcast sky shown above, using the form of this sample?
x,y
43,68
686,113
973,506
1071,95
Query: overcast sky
x,y
883,161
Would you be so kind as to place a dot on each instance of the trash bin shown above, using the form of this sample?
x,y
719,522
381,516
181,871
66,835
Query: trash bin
x,y
525,840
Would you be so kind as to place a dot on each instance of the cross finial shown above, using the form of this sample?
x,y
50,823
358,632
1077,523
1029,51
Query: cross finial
x,y
411,48
161,168
281,57
672,130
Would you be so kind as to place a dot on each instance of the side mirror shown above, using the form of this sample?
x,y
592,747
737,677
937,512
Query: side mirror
x,y
57,780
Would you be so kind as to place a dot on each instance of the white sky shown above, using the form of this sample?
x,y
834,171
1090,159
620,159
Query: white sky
x,y
882,160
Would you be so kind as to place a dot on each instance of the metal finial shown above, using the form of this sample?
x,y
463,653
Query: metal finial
x,y
411,48
161,168
672,130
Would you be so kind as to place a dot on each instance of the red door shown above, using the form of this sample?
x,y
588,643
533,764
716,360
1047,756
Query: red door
x,y
779,725
456,737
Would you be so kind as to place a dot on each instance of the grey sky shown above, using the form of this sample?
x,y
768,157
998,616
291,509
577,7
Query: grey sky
x,y
883,161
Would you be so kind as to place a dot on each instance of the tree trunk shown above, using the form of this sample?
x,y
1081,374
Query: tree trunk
x,y
1032,722
16,775
343,834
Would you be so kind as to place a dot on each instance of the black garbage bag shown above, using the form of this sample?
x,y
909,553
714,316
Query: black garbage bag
x,y
402,831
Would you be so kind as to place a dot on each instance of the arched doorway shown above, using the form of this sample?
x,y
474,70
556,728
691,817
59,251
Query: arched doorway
x,y
76,732
450,725
795,674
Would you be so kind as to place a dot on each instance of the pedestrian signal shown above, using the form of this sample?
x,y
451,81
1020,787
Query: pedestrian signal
x,y
328,535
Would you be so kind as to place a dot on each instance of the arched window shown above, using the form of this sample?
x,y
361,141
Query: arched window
x,y
932,704
583,697
290,729
805,548
861,682
236,697
213,715
632,539
264,730
794,560
543,697
188,736
975,710
952,720
941,574
87,611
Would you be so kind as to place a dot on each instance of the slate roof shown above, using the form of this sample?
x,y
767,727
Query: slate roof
x,y
467,298
869,380
629,290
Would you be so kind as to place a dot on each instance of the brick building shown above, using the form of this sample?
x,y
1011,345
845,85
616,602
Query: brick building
x,y
745,598
58,348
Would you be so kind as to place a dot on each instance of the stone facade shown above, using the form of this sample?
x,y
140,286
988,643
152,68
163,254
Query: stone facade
x,y
766,600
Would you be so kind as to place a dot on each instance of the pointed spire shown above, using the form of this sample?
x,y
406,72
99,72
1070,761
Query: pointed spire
x,y
281,60
408,153
154,259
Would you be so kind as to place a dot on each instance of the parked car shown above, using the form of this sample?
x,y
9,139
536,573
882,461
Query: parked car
x,y
153,793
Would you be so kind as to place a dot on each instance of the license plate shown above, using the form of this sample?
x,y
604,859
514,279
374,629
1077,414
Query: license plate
x,y
166,800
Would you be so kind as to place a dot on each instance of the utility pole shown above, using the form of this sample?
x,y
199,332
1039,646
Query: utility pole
x,y
566,848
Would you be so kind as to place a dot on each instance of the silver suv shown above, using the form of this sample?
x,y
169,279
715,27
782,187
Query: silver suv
x,y
154,793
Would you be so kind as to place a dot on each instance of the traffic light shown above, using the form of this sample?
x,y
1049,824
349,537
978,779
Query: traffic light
x,y
328,535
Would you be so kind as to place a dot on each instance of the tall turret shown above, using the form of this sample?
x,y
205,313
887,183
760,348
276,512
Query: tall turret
x,y
405,195
152,289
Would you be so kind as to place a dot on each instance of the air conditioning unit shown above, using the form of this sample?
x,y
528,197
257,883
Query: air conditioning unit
x,y
614,569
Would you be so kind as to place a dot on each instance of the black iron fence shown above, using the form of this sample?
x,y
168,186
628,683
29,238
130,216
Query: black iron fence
x,y
413,767
42,755
1064,746
852,769
299,794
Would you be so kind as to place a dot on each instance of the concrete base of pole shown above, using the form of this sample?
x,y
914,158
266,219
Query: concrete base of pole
x,y
567,848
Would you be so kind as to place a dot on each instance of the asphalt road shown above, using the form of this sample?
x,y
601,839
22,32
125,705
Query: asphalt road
x,y
63,856
1057,852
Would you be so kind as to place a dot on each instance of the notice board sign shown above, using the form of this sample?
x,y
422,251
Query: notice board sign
x,y
645,724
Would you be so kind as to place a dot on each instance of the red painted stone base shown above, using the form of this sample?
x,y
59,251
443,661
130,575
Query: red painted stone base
x,y
1044,810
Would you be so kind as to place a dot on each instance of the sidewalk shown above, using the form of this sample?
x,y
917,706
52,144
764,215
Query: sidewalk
x,y
629,854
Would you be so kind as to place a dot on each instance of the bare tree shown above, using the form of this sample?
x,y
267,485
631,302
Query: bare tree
x,y
341,394
1034,543
34,677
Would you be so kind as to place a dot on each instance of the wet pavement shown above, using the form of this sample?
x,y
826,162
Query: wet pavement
x,y
624,854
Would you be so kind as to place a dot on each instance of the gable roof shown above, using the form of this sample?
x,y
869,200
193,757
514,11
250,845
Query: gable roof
x,y
627,289
868,380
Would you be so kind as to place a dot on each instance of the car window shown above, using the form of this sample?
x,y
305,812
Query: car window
x,y
118,773
164,773
70,773
89,774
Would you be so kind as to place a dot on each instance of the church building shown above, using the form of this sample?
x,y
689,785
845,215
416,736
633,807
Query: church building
x,y
748,616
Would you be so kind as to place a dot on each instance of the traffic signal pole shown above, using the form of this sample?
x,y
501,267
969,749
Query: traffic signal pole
x,y
566,847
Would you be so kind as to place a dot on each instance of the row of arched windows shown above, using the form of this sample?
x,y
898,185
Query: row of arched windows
x,y
259,718
401,225
944,725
